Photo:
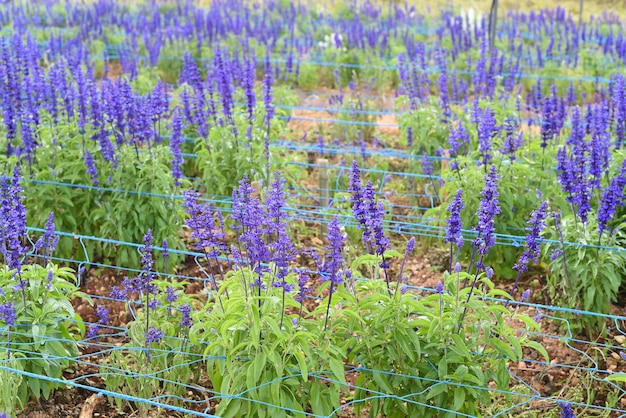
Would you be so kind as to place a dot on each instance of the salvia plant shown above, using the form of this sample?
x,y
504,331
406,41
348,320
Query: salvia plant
x,y
258,331
40,329
121,111
161,313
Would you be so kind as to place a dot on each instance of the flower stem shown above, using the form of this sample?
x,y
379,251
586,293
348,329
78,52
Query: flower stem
x,y
330,296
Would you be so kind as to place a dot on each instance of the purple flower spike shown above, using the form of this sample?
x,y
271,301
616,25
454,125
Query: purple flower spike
x,y
525,295
489,208
303,279
566,410
103,319
7,313
333,263
486,131
622,355
533,247
175,143
455,225
103,315
170,294
12,221
154,335
49,240
612,198
427,166
458,138
410,246
439,287
93,331
556,253
91,168
166,251
185,320
205,226
283,251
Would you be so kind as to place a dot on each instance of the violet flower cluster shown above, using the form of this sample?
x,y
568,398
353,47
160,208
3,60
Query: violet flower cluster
x,y
612,198
369,213
103,318
282,248
487,130
454,227
49,240
206,226
488,209
141,285
13,222
8,313
175,142
532,250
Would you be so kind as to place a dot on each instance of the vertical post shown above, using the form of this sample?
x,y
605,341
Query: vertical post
x,y
493,23
323,186
580,16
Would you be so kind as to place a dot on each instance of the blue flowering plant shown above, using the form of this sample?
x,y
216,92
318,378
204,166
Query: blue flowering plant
x,y
113,175
353,106
258,334
231,139
512,167
39,330
151,198
161,318
427,353
586,273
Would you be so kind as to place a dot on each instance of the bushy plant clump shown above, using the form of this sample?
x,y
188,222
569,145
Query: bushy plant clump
x,y
265,342
40,329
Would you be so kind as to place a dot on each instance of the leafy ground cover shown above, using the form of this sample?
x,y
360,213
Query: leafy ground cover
x,y
240,209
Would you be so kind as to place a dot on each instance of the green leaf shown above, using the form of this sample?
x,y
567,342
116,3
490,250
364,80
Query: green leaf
x,y
459,346
317,404
437,389
392,253
617,377
338,369
381,381
539,348
229,408
461,372
34,386
503,348
367,260
302,364
46,389
259,364
459,398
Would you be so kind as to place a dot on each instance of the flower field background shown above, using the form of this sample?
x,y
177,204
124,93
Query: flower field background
x,y
279,208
